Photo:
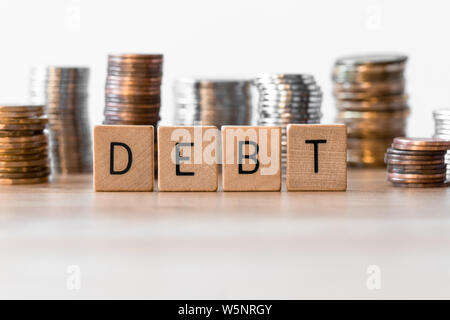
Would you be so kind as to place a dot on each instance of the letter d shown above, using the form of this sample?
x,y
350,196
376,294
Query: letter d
x,y
111,159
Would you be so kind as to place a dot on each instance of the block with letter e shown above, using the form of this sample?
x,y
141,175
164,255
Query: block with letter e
x,y
187,158
123,158
251,158
316,157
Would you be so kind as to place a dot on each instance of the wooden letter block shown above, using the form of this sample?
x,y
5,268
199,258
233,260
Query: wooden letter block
x,y
316,157
251,158
123,158
187,158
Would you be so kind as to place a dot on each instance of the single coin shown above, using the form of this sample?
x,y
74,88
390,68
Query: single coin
x,y
422,171
26,145
40,149
31,163
413,162
421,141
417,176
405,180
21,157
23,175
424,147
415,153
441,167
19,133
26,139
421,185
414,157
24,181
21,108
24,169
26,127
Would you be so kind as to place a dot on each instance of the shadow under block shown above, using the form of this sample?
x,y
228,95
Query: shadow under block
x,y
187,158
251,158
123,158
316,157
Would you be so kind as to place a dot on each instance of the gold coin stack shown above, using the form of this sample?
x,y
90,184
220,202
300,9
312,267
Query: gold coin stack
x,y
417,162
133,89
371,101
23,145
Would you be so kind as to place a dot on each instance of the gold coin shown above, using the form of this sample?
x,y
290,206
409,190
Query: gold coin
x,y
24,169
21,157
24,175
26,127
26,139
420,147
24,181
24,121
25,145
31,163
20,133
20,151
422,142
21,108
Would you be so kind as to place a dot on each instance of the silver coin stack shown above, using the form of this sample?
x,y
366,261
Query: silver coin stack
x,y
442,131
285,99
212,102
64,92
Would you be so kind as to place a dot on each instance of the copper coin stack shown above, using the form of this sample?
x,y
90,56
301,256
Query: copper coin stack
x,y
23,145
442,131
371,100
417,162
64,91
133,89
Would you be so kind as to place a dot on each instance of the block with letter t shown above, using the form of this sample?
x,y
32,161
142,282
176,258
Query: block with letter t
x,y
187,158
316,157
251,158
123,158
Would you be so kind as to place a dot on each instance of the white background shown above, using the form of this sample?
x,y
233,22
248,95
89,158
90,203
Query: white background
x,y
233,38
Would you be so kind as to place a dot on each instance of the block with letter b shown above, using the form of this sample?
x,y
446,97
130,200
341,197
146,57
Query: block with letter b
x,y
187,158
316,157
251,158
123,158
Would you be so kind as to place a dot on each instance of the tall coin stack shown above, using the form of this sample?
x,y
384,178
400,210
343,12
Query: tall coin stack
x,y
417,162
133,89
23,145
371,101
285,99
64,91
442,131
212,102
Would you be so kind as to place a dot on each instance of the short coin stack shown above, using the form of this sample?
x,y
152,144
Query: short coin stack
x,y
133,89
371,101
64,91
23,145
442,131
417,162
285,99
212,102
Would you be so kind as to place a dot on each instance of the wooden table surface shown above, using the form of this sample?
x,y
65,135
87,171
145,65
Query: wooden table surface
x,y
224,245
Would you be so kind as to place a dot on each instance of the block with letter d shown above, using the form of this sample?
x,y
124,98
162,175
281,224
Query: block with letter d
x,y
123,158
316,157
187,158
251,158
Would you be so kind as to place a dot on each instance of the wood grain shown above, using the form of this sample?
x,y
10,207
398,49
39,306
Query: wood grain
x,y
132,150
316,157
227,245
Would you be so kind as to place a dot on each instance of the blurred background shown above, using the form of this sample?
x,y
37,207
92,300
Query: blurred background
x,y
232,39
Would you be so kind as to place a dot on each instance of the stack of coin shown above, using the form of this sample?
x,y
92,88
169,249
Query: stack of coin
x,y
442,131
64,91
212,102
133,89
285,99
417,162
23,145
371,101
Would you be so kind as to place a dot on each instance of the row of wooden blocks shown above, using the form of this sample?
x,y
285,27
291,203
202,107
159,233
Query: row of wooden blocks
x,y
189,157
